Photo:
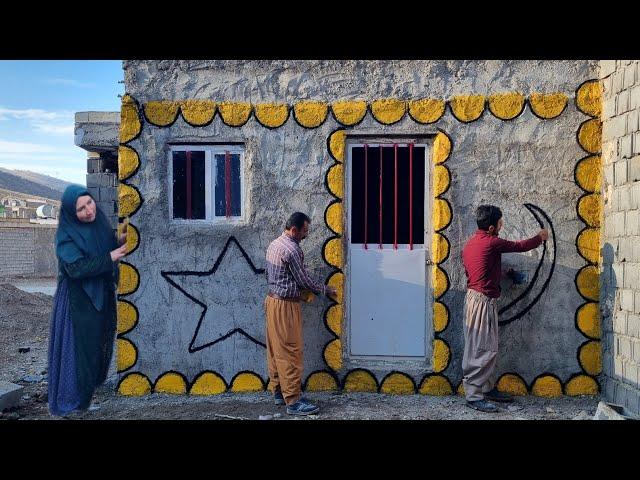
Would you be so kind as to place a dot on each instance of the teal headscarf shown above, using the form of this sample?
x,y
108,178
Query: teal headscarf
x,y
76,240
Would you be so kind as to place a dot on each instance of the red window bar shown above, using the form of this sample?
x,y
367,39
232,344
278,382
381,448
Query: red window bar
x,y
366,159
380,202
411,196
395,197
188,155
227,183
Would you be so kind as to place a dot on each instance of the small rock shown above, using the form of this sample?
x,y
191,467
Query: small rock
x,y
582,416
514,408
32,378
550,410
93,408
277,415
24,349
265,417
26,397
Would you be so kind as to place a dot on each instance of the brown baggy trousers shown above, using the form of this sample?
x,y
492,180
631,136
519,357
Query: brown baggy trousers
x,y
480,344
284,347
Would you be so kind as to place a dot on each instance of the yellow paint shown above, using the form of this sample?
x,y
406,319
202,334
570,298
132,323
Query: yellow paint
x,y
439,248
337,281
349,112
333,354
435,385
590,208
130,125
441,180
335,180
547,386
590,356
247,382
441,355
397,384
126,354
360,381
333,252
589,173
426,110
135,384
129,279
588,319
589,283
321,382
133,238
440,317
128,162
506,106
208,383
198,112
272,114
235,113
336,144
388,110
548,105
460,389
467,108
581,385
511,384
441,214
171,383
161,113
589,98
334,319
441,148
128,200
590,135
127,317
439,281
334,217
589,244
310,114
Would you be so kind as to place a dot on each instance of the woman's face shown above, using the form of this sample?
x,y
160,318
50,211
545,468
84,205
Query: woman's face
x,y
86,209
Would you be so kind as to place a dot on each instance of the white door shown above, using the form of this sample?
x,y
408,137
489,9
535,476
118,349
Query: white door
x,y
387,253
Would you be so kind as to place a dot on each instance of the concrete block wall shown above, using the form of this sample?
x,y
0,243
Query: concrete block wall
x,y
620,281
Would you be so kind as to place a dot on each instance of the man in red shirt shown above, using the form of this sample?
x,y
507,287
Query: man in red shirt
x,y
481,257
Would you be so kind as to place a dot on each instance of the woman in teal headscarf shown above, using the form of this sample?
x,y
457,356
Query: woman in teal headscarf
x,y
83,321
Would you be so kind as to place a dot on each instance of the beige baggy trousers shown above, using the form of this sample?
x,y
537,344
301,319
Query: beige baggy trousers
x,y
480,344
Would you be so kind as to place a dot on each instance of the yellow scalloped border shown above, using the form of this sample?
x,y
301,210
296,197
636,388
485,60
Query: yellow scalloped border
x,y
360,381
235,114
126,355
127,317
581,385
172,383
349,112
512,384
590,136
590,356
321,382
426,110
467,108
129,200
333,354
588,174
246,382
129,279
208,383
198,113
310,114
506,106
437,385
397,384
272,115
130,124
389,110
548,105
589,98
161,113
128,162
547,386
134,384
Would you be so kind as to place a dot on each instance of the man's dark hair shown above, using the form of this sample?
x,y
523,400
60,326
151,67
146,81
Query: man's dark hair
x,y
487,215
297,220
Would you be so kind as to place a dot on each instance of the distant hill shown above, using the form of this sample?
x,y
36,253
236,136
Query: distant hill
x,y
46,180
17,183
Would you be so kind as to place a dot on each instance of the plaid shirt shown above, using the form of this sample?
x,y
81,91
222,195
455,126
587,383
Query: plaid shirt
x,y
286,274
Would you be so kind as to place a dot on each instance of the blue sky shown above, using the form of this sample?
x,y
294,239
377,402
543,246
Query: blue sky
x,y
38,100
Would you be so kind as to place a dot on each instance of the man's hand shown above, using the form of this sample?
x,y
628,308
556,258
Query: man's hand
x,y
544,234
331,292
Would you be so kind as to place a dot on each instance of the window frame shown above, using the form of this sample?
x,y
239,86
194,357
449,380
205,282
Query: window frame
x,y
209,150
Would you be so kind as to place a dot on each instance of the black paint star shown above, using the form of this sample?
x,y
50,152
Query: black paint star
x,y
234,300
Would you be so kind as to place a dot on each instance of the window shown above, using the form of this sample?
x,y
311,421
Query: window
x,y
207,182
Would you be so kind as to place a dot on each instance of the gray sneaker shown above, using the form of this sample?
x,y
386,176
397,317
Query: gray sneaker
x,y
482,406
278,399
497,396
302,407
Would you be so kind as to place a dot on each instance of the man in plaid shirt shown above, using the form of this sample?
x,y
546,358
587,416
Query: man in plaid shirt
x,y
287,278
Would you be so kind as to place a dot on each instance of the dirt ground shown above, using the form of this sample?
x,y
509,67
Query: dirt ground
x,y
24,324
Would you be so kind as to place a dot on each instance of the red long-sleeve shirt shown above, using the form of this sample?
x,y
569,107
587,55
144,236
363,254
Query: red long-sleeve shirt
x,y
482,259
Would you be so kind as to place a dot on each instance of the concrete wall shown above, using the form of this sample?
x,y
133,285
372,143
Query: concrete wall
x,y
28,250
505,162
620,294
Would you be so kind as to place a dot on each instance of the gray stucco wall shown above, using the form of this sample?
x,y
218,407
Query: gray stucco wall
x,y
27,250
507,163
